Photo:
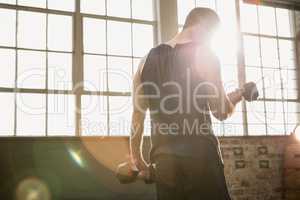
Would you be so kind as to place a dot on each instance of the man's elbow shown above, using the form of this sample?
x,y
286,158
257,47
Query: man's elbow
x,y
221,116
225,114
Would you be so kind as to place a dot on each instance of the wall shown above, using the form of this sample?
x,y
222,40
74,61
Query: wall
x,y
83,168
253,167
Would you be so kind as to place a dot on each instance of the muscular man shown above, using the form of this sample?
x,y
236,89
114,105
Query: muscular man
x,y
180,83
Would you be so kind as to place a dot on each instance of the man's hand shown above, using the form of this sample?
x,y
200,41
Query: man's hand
x,y
142,167
250,91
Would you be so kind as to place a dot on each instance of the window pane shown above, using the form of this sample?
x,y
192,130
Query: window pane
x,y
8,27
142,39
120,109
59,71
31,111
267,20
95,77
254,74
230,77
206,3
94,115
256,118
60,33
119,45
8,66
118,8
252,51
8,1
269,51
94,36
292,115
31,69
7,114
119,74
287,54
274,111
32,30
142,9
249,18
272,81
233,129
32,3
184,7
275,118
67,5
61,115
284,22
289,81
96,7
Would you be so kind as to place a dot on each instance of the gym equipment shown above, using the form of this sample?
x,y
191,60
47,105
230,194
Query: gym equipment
x,y
127,173
250,91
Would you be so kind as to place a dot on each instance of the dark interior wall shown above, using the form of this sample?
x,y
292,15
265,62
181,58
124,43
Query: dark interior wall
x,y
83,168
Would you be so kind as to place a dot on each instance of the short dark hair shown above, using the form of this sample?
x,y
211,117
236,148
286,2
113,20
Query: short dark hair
x,y
199,14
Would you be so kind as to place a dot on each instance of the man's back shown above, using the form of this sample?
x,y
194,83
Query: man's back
x,y
177,96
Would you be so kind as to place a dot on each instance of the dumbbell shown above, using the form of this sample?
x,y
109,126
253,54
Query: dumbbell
x,y
127,173
250,91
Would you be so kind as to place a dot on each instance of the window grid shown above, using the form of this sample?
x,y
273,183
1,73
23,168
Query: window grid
x,y
18,90
77,90
108,91
262,66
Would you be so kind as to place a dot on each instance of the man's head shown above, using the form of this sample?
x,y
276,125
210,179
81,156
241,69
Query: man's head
x,y
201,23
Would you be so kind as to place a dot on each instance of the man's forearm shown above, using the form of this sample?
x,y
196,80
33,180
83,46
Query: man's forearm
x,y
229,102
136,140
235,96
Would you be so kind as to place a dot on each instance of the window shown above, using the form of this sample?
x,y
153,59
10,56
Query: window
x,y
113,46
39,78
269,50
269,53
36,52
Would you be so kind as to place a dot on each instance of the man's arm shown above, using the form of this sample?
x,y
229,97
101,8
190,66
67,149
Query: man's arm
x,y
140,106
222,105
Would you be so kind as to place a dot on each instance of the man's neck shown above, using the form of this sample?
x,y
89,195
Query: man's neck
x,y
183,38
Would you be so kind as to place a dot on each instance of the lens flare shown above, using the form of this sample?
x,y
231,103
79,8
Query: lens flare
x,y
32,188
224,44
77,157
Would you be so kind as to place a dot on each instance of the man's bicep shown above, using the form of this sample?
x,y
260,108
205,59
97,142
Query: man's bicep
x,y
217,98
214,79
139,101
139,105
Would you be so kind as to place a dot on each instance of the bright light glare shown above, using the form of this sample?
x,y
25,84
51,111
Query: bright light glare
x,y
224,44
76,157
32,188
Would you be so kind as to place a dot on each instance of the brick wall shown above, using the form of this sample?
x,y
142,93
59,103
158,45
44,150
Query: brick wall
x,y
253,167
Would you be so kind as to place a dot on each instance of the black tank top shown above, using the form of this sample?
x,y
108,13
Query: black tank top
x,y
180,118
